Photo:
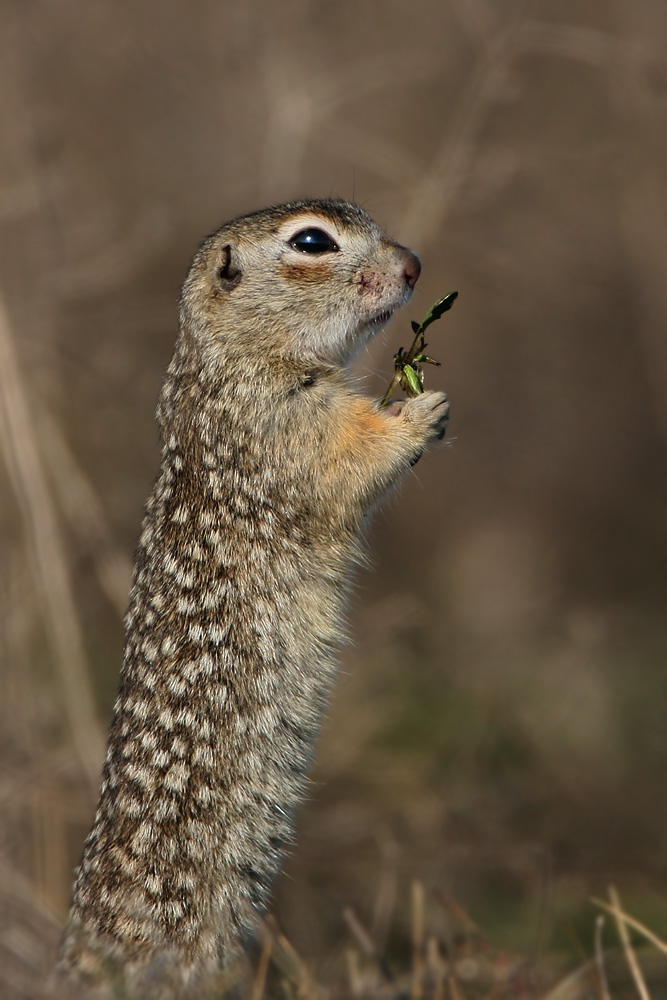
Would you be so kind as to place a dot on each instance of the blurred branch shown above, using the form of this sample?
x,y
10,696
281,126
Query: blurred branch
x,y
642,203
296,104
476,19
47,555
383,156
115,262
438,189
85,513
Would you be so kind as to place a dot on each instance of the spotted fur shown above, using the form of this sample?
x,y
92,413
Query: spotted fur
x,y
271,461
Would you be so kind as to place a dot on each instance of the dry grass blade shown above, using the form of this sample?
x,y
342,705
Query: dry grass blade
x,y
385,899
436,967
290,962
628,950
574,986
455,990
599,960
459,914
259,981
354,973
359,932
618,914
417,989
366,942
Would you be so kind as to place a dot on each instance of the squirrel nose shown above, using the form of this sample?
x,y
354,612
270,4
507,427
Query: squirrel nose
x,y
412,268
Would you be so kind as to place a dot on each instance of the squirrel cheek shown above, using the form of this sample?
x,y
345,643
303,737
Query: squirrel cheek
x,y
370,283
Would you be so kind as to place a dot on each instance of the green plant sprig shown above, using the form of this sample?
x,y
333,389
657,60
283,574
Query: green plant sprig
x,y
408,371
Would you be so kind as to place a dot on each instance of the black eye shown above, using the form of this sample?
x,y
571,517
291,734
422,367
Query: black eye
x,y
313,241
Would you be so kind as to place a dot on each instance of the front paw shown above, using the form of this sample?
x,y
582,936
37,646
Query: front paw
x,y
429,412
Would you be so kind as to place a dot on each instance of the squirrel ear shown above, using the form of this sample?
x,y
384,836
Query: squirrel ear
x,y
229,274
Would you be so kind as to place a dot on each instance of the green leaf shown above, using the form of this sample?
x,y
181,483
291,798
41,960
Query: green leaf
x,y
412,380
438,308
423,359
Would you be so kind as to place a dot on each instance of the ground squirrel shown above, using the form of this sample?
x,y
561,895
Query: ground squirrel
x,y
272,460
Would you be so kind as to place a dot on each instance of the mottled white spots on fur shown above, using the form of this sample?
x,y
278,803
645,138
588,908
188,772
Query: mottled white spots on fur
x,y
177,685
220,695
166,808
166,719
168,645
181,514
197,553
179,747
185,881
195,850
153,885
185,578
177,462
205,728
133,807
114,781
150,680
186,718
146,536
204,795
150,651
206,665
203,756
92,864
170,564
168,848
142,841
174,909
241,504
241,724
143,776
148,740
139,708
196,831
186,606
191,670
172,443
265,720
106,897
177,777
217,635
210,460
196,632
210,599
207,518
161,758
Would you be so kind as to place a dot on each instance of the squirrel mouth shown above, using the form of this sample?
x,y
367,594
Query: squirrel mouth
x,y
382,318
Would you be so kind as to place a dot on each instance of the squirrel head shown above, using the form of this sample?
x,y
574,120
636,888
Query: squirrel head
x,y
313,280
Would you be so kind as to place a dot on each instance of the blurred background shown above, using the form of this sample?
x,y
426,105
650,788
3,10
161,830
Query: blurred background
x,y
498,731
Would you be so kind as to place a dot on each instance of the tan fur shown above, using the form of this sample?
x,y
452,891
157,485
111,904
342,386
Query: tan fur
x,y
271,461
